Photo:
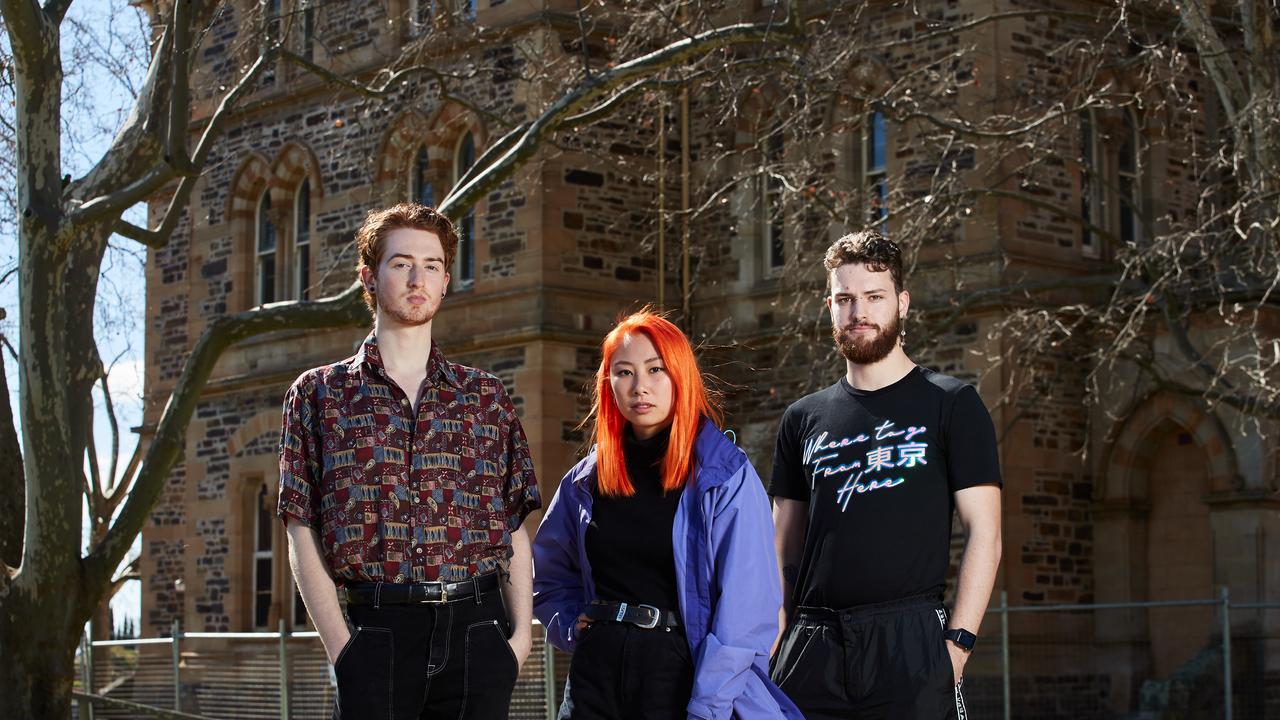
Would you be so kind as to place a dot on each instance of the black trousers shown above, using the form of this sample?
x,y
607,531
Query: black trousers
x,y
623,672
880,661
414,662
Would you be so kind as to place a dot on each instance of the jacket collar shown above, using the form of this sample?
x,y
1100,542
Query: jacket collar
x,y
716,458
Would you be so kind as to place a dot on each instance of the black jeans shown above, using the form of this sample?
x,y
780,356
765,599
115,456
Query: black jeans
x,y
885,661
623,672
406,662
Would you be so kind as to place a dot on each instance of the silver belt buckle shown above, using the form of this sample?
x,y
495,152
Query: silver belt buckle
x,y
444,593
652,623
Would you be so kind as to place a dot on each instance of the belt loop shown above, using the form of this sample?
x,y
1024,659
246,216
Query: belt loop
x,y
475,587
377,595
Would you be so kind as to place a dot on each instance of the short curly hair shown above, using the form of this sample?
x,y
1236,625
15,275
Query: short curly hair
x,y
372,235
869,248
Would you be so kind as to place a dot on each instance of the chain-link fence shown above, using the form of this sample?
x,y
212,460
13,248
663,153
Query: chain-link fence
x,y
1126,661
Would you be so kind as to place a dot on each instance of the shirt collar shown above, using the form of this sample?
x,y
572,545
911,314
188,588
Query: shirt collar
x,y
438,367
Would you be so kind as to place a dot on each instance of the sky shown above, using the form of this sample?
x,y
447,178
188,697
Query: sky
x,y
104,58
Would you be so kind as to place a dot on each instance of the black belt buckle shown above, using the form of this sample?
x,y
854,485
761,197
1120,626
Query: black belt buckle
x,y
654,615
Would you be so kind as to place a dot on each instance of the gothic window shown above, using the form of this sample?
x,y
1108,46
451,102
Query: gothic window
x,y
1091,205
1111,157
465,263
772,219
420,16
263,559
309,29
873,176
266,244
421,190
302,242
1128,181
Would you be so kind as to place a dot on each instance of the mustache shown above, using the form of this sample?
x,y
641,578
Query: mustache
x,y
854,326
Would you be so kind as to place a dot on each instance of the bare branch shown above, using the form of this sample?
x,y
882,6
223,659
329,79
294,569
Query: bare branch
x,y
576,101
131,571
115,435
391,84
159,237
346,309
1214,57
56,10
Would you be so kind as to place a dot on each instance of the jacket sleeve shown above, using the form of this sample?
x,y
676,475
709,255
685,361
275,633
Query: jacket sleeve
x,y
558,595
745,597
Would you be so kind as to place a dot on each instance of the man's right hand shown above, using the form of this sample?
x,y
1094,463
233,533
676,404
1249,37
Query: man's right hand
x,y
333,646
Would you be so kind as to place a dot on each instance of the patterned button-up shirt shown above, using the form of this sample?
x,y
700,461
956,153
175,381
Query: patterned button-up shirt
x,y
398,494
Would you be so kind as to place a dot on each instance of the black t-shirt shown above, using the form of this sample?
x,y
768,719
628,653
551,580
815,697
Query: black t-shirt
x,y
878,469
629,538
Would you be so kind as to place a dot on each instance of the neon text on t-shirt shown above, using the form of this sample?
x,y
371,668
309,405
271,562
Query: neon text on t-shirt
x,y
823,457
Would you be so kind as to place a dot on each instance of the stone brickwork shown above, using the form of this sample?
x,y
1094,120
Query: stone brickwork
x,y
1059,553
164,599
213,586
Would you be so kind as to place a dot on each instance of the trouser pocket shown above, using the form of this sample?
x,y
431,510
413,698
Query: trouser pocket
x,y
489,671
365,669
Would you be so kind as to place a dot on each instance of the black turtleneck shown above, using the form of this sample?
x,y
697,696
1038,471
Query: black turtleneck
x,y
629,538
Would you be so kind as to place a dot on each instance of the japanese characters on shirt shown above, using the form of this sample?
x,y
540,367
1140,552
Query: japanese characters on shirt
x,y
885,453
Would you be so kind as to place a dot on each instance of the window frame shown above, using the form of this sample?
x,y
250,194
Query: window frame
x,y
466,227
262,221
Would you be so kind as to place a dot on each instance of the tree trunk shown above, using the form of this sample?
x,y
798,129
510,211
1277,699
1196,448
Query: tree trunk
x,y
38,670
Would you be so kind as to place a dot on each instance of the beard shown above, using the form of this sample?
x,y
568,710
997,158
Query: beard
x,y
406,314
865,351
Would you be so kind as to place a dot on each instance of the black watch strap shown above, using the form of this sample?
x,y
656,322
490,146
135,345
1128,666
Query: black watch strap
x,y
961,637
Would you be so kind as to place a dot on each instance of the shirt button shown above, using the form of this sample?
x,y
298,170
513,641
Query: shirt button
x,y
419,551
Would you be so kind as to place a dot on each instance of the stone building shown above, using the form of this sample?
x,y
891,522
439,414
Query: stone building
x,y
1167,502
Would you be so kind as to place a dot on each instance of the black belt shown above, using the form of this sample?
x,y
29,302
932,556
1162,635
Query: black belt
x,y
645,616
376,593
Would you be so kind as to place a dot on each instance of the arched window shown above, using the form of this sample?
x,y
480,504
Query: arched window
x,y
1110,180
263,559
772,221
1128,181
309,29
420,189
465,264
1091,199
420,12
875,183
266,244
302,242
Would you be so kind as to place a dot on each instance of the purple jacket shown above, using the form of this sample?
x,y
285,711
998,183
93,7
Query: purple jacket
x,y
726,575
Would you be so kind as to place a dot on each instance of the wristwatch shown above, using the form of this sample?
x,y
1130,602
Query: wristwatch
x,y
961,637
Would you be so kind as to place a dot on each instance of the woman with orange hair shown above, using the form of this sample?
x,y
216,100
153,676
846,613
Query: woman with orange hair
x,y
654,564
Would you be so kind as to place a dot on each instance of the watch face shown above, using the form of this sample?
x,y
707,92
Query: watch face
x,y
962,637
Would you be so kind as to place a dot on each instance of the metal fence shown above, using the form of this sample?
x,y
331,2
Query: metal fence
x,y
1100,661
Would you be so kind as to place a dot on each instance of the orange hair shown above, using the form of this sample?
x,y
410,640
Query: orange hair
x,y
690,403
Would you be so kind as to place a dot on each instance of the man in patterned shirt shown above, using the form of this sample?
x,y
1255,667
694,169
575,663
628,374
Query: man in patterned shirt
x,y
404,481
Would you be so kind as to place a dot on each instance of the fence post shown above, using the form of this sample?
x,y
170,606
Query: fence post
x,y
284,673
549,678
1226,651
86,668
1004,654
176,633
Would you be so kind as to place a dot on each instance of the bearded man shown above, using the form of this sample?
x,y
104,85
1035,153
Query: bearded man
x,y
866,477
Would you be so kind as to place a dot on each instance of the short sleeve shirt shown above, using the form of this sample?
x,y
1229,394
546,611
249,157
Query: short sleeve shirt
x,y
879,469
403,494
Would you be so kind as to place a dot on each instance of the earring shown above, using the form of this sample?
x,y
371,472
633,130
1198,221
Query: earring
x,y
902,322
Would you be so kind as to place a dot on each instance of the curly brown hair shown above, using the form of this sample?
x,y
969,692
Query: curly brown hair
x,y
372,234
869,248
